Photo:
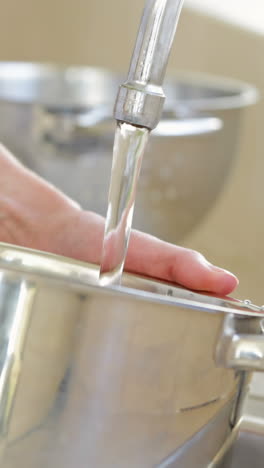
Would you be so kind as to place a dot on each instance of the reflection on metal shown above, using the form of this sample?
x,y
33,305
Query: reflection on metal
x,y
16,298
203,446
244,447
241,344
85,370
249,305
243,390
222,458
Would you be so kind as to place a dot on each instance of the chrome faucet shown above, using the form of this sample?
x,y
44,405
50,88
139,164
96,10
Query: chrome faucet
x,y
140,98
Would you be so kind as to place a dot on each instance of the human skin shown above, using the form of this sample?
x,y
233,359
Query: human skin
x,y
36,215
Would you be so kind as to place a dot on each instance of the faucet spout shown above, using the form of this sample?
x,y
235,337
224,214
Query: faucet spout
x,y
140,98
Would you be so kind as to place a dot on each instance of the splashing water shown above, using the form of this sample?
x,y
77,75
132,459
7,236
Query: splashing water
x,y
129,146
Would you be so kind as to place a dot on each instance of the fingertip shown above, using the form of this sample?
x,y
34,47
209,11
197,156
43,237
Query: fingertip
x,y
226,282
197,273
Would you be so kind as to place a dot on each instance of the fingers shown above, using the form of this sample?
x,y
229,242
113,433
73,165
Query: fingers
x,y
35,214
159,259
26,188
152,257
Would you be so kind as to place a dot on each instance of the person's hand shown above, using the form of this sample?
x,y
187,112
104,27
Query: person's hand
x,y
36,215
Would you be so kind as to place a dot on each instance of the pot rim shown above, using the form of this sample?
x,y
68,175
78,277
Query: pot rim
x,y
237,93
80,275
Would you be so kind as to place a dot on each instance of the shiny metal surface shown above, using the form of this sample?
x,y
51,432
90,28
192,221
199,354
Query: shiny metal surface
x,y
244,446
201,448
238,348
248,449
58,122
140,99
109,377
16,302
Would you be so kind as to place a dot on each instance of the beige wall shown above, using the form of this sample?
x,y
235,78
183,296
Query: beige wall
x,y
68,31
87,32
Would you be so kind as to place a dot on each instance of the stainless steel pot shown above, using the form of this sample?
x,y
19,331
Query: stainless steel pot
x,y
58,121
140,376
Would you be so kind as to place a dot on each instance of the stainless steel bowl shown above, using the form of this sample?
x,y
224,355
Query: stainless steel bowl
x,y
58,121
140,376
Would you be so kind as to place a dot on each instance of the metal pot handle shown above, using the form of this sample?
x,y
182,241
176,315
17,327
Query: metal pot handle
x,y
241,344
62,127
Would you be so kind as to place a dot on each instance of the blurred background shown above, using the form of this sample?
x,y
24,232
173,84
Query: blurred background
x,y
222,38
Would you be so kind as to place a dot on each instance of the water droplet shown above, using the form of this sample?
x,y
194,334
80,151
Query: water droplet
x,y
247,302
